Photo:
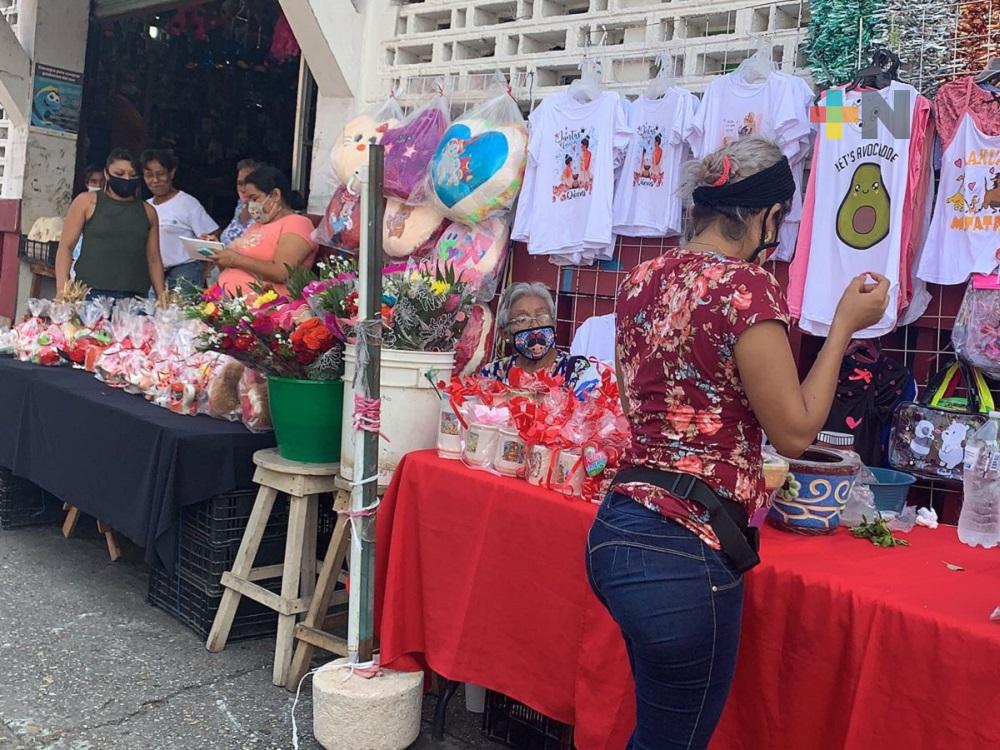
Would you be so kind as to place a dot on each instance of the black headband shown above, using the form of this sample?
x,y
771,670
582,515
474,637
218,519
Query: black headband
x,y
769,186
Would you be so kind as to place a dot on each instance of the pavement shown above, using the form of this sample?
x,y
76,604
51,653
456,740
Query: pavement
x,y
87,664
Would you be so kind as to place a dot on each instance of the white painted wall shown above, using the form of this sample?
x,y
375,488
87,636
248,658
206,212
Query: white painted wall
x,y
40,165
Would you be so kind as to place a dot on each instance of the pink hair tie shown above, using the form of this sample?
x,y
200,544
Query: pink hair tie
x,y
727,168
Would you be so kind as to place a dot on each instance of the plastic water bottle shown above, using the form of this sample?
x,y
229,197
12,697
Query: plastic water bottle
x,y
979,523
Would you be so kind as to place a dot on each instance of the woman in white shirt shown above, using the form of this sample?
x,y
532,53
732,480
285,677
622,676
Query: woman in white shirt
x,y
180,215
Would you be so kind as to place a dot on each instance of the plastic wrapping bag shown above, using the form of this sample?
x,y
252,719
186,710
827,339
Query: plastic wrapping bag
x,y
255,409
478,166
410,230
477,253
223,400
409,147
472,350
340,227
976,333
351,150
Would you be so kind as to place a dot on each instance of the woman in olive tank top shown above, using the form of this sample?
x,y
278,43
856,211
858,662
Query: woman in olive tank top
x,y
121,248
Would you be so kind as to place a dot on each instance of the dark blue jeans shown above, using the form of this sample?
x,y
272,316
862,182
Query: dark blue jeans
x,y
678,603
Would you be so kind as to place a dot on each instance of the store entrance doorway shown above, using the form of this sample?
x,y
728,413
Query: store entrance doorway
x,y
214,81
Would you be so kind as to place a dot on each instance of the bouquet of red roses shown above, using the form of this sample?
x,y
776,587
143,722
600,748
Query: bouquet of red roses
x,y
296,335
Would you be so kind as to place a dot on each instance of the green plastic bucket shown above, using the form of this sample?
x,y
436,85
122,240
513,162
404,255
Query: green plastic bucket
x,y
307,416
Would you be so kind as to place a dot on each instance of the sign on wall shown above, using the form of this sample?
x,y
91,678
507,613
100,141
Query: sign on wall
x,y
55,99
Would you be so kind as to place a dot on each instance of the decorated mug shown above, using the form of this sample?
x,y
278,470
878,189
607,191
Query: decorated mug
x,y
568,473
449,441
480,444
510,455
539,458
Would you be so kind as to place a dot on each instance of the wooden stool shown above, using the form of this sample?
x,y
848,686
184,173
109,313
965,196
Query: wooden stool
x,y
110,538
309,633
303,483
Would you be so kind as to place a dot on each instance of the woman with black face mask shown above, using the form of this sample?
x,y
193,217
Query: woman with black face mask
x,y
527,316
121,250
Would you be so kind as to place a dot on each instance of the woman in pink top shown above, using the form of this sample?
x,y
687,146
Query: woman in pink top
x,y
278,240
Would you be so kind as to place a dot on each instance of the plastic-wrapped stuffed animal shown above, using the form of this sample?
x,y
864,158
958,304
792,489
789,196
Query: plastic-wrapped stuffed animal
x,y
224,391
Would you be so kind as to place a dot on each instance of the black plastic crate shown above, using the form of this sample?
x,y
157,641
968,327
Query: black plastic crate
x,y
223,518
23,503
514,724
196,609
34,251
202,561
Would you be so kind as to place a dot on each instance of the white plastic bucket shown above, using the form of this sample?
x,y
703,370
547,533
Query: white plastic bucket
x,y
411,408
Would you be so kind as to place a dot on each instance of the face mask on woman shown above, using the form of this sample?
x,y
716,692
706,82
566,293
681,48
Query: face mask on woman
x,y
259,212
535,343
124,187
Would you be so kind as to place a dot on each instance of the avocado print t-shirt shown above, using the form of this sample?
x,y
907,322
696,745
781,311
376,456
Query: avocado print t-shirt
x,y
857,214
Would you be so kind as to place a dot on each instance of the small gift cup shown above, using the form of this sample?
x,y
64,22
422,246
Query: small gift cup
x,y
568,473
539,458
449,441
480,444
510,456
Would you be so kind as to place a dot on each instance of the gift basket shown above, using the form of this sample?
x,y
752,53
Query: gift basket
x,y
535,428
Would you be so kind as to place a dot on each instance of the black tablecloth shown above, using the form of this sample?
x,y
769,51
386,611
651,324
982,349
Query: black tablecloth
x,y
115,456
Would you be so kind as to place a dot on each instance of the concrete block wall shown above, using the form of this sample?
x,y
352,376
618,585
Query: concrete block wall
x,y
538,44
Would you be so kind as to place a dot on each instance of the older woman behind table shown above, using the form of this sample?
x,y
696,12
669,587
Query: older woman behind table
x,y
278,240
526,315
121,240
704,364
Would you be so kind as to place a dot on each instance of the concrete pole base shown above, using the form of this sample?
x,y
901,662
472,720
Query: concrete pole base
x,y
354,713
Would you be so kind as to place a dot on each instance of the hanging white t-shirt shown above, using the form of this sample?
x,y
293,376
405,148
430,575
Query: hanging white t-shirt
x,y
181,216
776,108
595,338
565,208
965,232
646,200
857,225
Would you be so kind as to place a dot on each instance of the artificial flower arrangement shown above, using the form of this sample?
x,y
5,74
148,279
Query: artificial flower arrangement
x,y
300,335
424,310
535,428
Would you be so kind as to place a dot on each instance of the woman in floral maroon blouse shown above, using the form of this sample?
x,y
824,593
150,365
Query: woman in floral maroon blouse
x,y
704,363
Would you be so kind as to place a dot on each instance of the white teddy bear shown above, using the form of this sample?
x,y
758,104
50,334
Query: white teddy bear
x,y
952,451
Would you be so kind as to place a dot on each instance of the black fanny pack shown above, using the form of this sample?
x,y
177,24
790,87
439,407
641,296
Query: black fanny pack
x,y
727,518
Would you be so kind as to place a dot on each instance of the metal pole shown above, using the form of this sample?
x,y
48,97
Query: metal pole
x,y
361,615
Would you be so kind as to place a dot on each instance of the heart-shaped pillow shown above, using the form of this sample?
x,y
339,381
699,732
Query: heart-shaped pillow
x,y
351,149
477,252
410,230
477,169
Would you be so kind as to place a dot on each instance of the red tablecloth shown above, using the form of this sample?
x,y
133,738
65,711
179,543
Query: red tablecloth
x,y
845,645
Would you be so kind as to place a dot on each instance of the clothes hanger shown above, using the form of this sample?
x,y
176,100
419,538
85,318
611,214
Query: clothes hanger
x,y
990,73
865,350
589,85
882,70
760,64
662,82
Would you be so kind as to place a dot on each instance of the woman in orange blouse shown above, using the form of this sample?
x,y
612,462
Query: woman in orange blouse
x,y
278,240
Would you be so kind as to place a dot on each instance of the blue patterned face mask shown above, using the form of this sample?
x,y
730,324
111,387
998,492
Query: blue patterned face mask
x,y
535,343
